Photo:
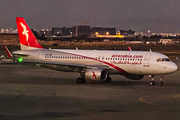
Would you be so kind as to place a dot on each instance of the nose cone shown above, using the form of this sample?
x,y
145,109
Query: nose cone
x,y
173,67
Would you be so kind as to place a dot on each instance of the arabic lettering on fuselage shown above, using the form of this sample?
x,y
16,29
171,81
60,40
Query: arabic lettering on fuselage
x,y
127,62
127,56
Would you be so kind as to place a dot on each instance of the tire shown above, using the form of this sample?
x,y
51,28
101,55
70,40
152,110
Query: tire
x,y
80,80
108,80
151,83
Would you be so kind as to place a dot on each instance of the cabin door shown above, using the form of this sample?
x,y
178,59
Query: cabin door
x,y
147,60
38,56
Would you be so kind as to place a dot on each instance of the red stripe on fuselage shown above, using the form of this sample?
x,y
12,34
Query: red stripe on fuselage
x,y
115,67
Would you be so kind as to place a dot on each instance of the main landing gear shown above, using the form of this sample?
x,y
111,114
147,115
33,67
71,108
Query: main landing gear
x,y
80,80
152,82
108,80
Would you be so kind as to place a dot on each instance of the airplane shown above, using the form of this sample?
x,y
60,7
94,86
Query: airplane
x,y
95,65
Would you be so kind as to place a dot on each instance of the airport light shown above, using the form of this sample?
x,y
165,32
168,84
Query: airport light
x,y
107,33
20,59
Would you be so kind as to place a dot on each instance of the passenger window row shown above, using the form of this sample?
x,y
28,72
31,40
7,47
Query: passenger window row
x,y
98,58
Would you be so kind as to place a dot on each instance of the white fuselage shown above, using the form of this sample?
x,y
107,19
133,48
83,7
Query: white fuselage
x,y
118,62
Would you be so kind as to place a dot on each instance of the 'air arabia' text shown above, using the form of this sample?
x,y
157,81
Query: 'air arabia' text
x,y
128,56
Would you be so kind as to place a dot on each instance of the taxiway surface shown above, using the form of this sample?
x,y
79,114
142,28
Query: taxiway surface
x,y
32,93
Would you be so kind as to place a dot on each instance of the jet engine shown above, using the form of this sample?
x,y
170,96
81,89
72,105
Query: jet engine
x,y
134,77
96,74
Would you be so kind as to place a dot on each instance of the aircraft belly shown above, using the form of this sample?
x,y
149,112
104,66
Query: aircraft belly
x,y
131,69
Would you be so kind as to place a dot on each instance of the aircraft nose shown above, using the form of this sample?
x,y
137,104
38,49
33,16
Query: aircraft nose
x,y
173,67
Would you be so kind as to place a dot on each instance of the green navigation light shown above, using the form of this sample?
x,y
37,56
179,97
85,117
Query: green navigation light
x,y
20,59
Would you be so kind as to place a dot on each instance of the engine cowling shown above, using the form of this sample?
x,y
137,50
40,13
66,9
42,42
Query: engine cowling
x,y
96,74
134,77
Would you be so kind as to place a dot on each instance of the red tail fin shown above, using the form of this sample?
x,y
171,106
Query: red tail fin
x,y
26,36
7,51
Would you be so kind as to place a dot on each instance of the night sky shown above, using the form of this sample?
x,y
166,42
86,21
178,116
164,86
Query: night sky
x,y
138,15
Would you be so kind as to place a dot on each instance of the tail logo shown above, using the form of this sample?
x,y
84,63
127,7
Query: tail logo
x,y
25,32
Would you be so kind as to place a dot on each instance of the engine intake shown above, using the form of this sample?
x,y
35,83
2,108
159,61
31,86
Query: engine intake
x,y
96,74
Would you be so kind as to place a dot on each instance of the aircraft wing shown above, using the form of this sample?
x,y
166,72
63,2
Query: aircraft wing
x,y
19,55
62,65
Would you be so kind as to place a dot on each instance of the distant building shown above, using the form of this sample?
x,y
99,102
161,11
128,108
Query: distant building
x,y
57,31
103,31
9,31
112,31
128,33
66,31
81,30
167,41
45,32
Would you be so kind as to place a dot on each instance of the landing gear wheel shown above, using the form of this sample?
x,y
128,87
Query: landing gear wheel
x,y
108,80
80,80
161,78
151,83
161,83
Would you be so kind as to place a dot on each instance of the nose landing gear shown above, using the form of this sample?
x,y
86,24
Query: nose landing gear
x,y
152,82
161,78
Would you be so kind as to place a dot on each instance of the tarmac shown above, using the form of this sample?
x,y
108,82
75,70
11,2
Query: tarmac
x,y
34,93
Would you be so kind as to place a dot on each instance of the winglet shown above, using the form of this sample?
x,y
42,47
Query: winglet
x,y
26,36
8,52
129,48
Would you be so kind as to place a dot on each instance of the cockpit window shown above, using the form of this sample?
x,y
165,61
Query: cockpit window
x,y
166,59
163,59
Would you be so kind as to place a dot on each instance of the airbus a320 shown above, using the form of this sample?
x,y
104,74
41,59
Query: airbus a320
x,y
95,65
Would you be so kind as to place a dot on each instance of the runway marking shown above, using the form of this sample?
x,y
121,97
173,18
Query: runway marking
x,y
164,97
141,99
